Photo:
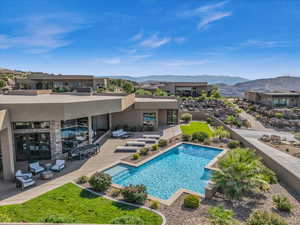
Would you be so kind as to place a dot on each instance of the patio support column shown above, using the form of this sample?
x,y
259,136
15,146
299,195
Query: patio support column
x,y
8,156
55,139
110,121
90,130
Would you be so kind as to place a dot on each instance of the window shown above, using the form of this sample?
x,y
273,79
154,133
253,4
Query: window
x,y
100,125
74,133
32,146
172,117
32,125
149,119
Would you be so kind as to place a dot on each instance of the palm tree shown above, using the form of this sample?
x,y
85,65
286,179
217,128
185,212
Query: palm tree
x,y
241,171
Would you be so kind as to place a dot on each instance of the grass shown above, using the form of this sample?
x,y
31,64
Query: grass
x,y
73,202
196,126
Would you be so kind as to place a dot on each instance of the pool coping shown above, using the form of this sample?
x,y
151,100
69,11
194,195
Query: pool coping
x,y
180,191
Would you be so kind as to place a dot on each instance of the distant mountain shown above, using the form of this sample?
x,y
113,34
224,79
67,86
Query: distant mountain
x,y
284,83
211,79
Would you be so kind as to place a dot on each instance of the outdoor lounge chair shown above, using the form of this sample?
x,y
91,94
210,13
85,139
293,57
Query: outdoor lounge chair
x,y
135,143
59,165
153,136
119,133
23,182
20,173
36,168
127,149
147,140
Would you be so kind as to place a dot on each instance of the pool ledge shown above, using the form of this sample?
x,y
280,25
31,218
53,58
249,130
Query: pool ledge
x,y
180,191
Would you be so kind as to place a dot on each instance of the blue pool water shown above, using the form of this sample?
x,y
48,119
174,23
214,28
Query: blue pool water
x,y
180,167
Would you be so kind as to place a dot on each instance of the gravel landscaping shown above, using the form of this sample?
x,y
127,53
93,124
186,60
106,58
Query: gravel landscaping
x,y
176,214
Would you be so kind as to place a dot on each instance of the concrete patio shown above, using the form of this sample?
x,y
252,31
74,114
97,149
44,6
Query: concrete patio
x,y
10,195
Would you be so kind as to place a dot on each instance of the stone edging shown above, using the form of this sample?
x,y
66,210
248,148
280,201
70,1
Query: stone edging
x,y
123,202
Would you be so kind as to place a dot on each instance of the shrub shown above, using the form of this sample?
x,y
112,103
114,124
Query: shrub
x,y
162,143
233,144
154,147
186,117
278,115
136,156
191,201
154,205
186,137
144,151
220,216
282,203
128,220
115,193
297,136
135,194
260,217
100,181
209,120
269,175
199,136
58,219
206,142
83,179
241,171
4,218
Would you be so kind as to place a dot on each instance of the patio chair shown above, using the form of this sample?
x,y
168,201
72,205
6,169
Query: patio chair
x,y
59,165
36,168
23,182
119,133
20,173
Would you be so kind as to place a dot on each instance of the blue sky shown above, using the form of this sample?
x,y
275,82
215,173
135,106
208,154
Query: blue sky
x,y
248,38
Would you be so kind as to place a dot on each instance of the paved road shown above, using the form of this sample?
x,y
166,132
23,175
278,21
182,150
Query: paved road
x,y
258,133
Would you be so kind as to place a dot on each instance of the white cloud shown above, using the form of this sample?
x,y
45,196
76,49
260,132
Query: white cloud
x,y
263,44
180,40
207,14
139,57
43,33
137,37
154,41
207,8
212,18
114,60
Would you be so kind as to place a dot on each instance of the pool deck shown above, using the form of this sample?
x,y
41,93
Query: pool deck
x,y
180,191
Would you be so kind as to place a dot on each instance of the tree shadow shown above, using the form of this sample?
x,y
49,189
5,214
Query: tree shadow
x,y
87,194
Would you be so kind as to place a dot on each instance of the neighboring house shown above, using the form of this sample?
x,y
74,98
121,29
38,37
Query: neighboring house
x,y
274,99
38,125
46,81
187,89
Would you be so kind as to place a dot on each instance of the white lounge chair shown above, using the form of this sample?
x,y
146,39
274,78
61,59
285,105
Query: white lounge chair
x,y
127,149
152,136
24,182
20,173
147,140
59,165
135,143
36,168
119,133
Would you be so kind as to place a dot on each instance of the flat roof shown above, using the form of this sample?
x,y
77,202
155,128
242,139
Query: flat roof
x,y
155,100
283,93
52,98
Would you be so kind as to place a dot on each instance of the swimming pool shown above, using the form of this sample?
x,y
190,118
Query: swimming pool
x,y
181,167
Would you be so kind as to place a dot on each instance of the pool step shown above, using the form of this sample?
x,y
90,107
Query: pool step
x,y
123,175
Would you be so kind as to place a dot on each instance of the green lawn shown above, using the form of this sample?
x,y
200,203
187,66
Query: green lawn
x,y
71,202
196,126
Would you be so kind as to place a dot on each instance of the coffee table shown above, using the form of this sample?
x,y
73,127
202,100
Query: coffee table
x,y
47,175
